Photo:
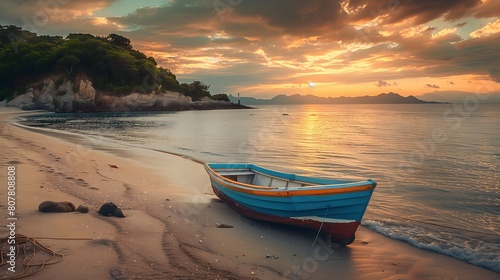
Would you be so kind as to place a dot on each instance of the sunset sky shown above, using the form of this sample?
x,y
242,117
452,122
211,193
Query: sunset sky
x,y
262,48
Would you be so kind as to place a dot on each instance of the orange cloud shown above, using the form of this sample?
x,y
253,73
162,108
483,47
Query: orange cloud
x,y
489,29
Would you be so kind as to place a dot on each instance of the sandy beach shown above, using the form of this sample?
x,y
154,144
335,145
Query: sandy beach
x,y
170,229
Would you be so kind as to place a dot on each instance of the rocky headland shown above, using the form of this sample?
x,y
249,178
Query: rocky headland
x,y
55,95
88,73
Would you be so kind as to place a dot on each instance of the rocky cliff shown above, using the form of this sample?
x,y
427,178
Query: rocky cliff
x,y
56,95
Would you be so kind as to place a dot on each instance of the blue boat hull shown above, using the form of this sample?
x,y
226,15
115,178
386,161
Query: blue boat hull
x,y
334,206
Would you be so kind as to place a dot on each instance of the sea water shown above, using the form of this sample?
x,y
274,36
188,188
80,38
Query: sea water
x,y
436,165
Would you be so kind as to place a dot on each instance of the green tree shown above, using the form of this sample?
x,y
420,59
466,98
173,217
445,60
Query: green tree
x,y
120,41
110,62
80,37
220,97
67,64
196,90
199,90
168,81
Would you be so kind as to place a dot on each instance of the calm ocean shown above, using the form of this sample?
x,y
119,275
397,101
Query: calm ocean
x,y
437,166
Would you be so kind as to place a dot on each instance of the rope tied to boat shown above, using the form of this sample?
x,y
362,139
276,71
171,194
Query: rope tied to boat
x,y
29,250
312,245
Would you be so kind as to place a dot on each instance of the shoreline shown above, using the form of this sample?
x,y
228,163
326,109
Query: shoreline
x,y
170,226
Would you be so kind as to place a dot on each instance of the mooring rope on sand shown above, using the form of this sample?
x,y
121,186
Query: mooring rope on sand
x,y
312,245
28,249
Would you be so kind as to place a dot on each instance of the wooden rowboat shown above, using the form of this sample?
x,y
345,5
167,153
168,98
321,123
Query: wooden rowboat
x,y
334,206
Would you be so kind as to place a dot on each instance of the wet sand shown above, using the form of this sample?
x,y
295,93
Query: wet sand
x,y
170,230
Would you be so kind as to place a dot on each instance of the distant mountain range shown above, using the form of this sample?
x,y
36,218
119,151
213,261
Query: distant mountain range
x,y
383,98
461,96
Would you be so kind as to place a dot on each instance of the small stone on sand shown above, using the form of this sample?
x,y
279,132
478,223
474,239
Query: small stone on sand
x,y
224,226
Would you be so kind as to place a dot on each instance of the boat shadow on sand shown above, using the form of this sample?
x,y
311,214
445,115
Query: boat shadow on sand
x,y
285,249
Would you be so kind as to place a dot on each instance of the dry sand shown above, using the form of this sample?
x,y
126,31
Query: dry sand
x,y
170,227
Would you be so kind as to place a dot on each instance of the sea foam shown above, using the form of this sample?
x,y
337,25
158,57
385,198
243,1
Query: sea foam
x,y
475,251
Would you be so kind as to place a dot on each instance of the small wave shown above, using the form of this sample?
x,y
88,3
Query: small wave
x,y
212,154
471,250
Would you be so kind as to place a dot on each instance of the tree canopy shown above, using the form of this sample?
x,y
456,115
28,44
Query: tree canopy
x,y
110,62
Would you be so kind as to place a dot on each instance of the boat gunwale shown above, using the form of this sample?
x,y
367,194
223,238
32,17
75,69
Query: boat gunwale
x,y
318,189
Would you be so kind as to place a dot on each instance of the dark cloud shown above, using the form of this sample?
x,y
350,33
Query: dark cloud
x,y
432,85
249,29
37,15
310,17
366,53
487,9
314,17
177,17
419,11
381,83
495,74
479,55
261,19
239,77
440,57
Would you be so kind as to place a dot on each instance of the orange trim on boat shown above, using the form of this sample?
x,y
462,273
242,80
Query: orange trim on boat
x,y
273,191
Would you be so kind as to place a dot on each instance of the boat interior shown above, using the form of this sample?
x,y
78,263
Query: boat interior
x,y
256,178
